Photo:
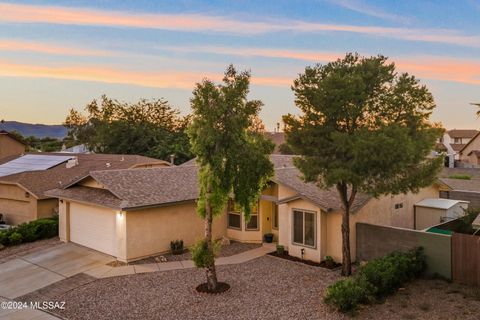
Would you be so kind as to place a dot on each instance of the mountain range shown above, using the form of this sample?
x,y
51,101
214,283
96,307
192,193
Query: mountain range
x,y
37,130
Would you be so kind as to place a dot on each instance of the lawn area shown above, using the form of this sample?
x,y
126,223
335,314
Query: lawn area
x,y
264,288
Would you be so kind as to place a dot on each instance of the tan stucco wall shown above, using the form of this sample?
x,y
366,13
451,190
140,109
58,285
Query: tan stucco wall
x,y
286,233
10,147
150,231
472,159
379,211
47,208
15,206
64,220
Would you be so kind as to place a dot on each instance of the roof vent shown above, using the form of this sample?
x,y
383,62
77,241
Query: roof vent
x,y
108,164
122,159
72,162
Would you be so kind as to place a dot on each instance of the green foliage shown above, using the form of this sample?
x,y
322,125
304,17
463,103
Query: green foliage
x,y
148,127
377,279
329,258
233,158
364,125
346,294
15,238
30,231
460,176
45,144
285,148
465,223
202,256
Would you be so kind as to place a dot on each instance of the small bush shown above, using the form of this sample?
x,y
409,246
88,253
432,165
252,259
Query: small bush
x,y
31,231
377,279
15,238
347,294
202,256
460,176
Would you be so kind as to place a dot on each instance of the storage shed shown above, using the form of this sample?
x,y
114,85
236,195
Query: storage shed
x,y
431,212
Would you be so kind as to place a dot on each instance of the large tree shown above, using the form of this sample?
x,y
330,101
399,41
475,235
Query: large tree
x,y
148,127
363,128
232,154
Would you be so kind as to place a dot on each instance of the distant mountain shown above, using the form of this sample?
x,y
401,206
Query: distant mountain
x,y
37,130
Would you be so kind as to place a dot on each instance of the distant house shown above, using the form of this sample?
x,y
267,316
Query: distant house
x,y
453,141
10,145
470,153
461,189
278,138
24,179
132,214
81,148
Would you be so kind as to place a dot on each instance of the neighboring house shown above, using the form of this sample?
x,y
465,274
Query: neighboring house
x,y
278,138
132,214
453,141
81,148
10,145
470,153
22,193
461,189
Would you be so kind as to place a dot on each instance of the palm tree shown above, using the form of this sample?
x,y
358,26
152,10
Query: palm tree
x,y
478,106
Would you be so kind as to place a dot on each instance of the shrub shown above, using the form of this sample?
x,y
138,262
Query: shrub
x,y
377,279
201,256
347,294
15,238
460,176
31,231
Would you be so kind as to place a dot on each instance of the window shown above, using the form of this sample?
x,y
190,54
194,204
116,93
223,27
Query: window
x,y
253,223
457,140
234,216
304,228
444,195
274,216
399,205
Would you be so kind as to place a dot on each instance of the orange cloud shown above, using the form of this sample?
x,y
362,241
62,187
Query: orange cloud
x,y
184,80
14,45
16,13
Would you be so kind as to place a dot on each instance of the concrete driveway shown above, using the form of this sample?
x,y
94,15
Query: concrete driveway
x,y
40,269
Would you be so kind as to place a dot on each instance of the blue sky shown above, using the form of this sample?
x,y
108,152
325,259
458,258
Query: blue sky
x,y
55,55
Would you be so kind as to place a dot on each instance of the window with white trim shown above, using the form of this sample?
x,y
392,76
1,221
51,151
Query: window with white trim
x,y
234,216
304,227
274,216
252,224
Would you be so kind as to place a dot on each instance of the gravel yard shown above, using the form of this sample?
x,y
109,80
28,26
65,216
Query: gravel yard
x,y
264,288
9,253
228,250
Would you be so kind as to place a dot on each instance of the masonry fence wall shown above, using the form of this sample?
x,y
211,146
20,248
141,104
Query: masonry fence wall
x,y
374,241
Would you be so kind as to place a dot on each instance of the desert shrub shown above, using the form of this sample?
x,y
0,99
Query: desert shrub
x,y
347,294
201,256
31,231
176,246
377,279
460,176
15,238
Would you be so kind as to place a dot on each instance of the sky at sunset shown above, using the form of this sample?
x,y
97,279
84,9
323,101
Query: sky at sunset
x,y
55,55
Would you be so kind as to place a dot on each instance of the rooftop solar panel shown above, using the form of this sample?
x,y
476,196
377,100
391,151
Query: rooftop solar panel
x,y
31,162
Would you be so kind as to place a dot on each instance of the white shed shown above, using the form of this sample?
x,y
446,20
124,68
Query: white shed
x,y
431,212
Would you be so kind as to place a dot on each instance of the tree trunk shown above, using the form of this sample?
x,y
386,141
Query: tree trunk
x,y
210,270
346,203
346,258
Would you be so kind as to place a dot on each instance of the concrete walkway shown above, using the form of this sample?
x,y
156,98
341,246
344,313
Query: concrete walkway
x,y
107,271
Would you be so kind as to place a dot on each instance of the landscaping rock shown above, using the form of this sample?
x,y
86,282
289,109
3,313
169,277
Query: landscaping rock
x,y
225,241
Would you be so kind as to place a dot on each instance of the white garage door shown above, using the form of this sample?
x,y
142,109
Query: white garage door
x,y
93,227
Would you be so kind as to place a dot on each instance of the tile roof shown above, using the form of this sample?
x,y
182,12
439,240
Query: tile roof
x,y
462,133
11,136
278,138
37,182
326,199
472,185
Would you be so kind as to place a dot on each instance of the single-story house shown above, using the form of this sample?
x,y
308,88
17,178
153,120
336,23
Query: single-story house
x,y
10,145
24,179
132,214
461,189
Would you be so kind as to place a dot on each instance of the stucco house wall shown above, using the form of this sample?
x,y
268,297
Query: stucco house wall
x,y
16,206
10,147
471,159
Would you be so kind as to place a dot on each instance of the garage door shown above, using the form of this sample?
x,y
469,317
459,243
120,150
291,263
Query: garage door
x,y
93,227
